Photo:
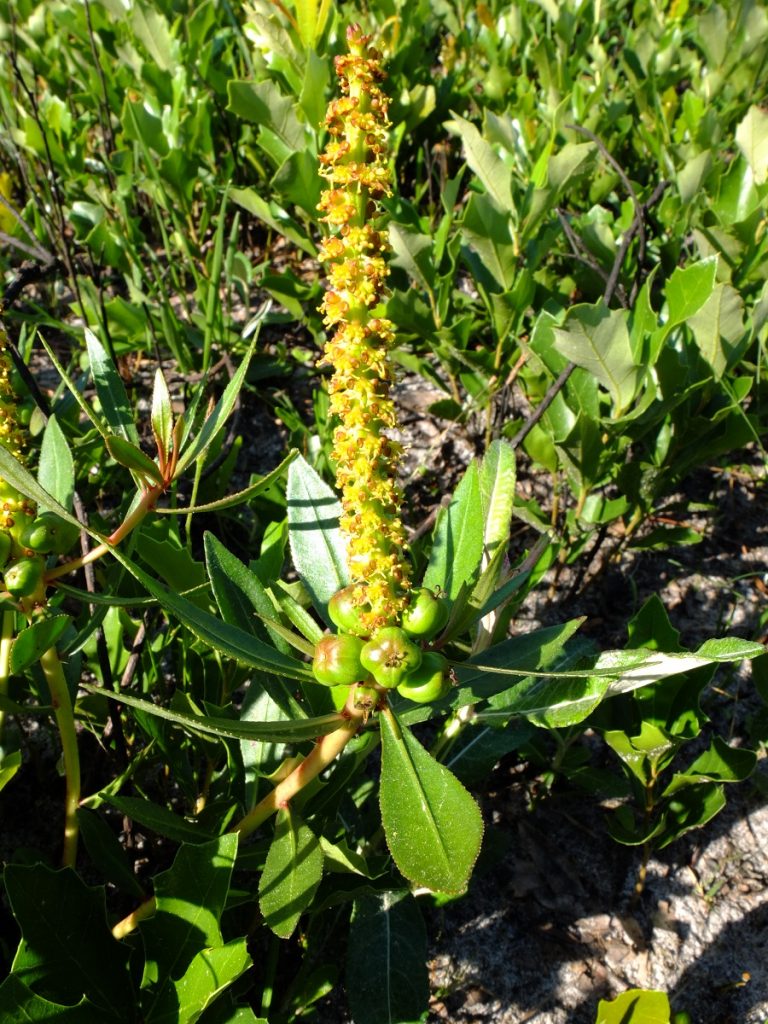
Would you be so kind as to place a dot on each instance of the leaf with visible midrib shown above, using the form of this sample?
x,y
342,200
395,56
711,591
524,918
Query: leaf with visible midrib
x,y
433,826
292,873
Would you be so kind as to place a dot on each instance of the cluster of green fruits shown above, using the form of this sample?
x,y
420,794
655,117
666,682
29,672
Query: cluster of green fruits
x,y
25,540
390,659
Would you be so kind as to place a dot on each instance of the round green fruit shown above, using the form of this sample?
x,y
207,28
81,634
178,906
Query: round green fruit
x,y
365,698
425,615
337,660
24,577
48,533
345,610
390,656
428,682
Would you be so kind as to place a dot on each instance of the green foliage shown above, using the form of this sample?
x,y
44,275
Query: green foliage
x,y
579,266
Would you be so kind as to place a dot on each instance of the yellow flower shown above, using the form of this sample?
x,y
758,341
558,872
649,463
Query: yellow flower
x,y
355,165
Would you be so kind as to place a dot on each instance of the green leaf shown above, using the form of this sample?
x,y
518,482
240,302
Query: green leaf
x,y
110,390
489,236
107,854
720,763
9,765
264,104
214,423
20,478
433,826
57,913
56,472
292,873
239,593
689,808
718,326
190,898
159,819
33,641
413,252
211,972
387,930
162,414
20,1005
133,458
317,546
730,648
273,216
239,497
459,537
636,1006
597,339
497,494
688,289
481,158
228,640
752,140
225,728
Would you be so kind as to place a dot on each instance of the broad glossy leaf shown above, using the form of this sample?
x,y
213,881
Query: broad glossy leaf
x,y
752,140
264,104
211,972
688,289
720,763
690,808
33,641
413,252
432,825
291,874
597,339
482,158
489,237
387,930
225,728
110,390
317,546
458,541
56,471
190,898
57,913
718,327
20,1005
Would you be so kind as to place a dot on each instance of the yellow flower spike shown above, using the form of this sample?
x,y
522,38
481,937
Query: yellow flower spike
x,y
355,166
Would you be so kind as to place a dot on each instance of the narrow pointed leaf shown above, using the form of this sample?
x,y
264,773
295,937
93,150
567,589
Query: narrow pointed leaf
x,y
162,413
133,458
56,472
239,497
458,543
110,390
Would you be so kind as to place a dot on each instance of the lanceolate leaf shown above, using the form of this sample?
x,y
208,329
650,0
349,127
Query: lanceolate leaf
x,y
432,824
497,494
225,728
291,875
33,641
458,544
20,478
229,640
239,497
387,930
133,458
56,472
110,390
317,546
162,413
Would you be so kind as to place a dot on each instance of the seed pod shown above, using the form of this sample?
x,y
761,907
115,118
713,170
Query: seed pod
x,y
428,682
337,660
347,611
24,577
390,656
425,615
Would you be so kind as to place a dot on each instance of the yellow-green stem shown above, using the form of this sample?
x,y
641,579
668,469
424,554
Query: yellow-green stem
x,y
65,720
6,639
324,752
131,521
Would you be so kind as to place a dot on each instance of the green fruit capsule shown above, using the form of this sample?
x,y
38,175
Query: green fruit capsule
x,y
48,533
365,698
428,682
390,656
337,661
345,611
425,615
5,547
24,577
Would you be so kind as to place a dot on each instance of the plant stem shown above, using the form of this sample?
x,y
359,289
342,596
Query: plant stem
x,y
65,719
6,636
132,520
324,752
